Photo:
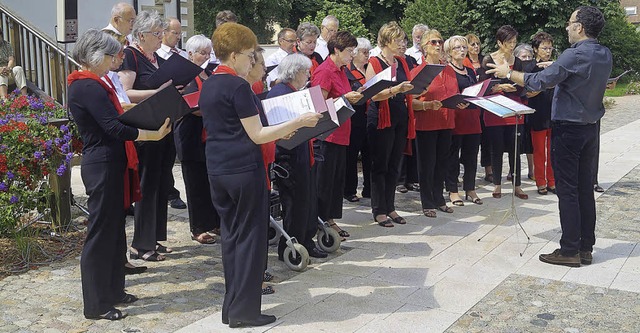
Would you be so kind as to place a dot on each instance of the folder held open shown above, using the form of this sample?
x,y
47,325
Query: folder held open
x,y
176,68
151,113
477,90
423,78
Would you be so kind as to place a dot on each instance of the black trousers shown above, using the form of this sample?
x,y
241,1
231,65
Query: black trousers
x,y
156,163
357,145
103,255
242,201
330,178
485,145
203,216
573,149
409,167
386,147
298,196
434,148
464,150
502,139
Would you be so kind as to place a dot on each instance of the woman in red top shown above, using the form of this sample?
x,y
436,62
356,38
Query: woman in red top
x,y
390,122
331,169
466,133
434,128
501,131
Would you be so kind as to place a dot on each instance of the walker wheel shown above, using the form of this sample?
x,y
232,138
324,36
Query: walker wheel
x,y
301,259
328,240
274,235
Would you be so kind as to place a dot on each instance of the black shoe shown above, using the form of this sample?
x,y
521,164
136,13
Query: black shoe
x,y
177,203
598,188
556,258
317,253
134,270
586,258
129,211
260,321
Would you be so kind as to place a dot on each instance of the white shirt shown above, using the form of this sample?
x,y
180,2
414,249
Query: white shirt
x,y
321,47
110,27
273,60
118,87
374,52
165,52
415,53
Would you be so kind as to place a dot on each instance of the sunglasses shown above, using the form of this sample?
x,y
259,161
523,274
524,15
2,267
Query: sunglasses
x,y
436,42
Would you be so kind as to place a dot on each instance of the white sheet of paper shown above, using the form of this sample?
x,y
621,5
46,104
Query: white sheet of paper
x,y
473,90
384,75
507,102
286,107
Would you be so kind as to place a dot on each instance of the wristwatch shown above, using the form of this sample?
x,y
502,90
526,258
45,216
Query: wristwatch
x,y
509,74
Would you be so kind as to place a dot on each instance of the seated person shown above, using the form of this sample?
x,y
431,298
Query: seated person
x,y
9,69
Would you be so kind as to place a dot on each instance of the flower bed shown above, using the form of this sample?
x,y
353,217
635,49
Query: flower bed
x,y
31,148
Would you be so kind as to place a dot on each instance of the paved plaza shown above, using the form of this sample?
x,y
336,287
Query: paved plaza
x,y
430,275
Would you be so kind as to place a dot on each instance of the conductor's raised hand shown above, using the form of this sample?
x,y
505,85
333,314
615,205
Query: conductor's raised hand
x,y
500,71
353,96
544,64
309,119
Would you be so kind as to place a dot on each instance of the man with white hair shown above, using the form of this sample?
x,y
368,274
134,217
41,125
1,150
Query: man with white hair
x,y
328,29
170,39
416,35
122,17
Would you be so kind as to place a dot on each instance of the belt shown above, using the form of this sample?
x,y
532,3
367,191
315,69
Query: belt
x,y
569,123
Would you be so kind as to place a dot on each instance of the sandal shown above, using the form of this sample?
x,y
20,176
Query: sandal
x,y
128,299
457,202
387,223
163,249
445,209
542,191
402,189
398,220
475,200
204,238
113,314
267,277
352,198
429,212
342,233
551,189
215,231
268,290
147,256
489,178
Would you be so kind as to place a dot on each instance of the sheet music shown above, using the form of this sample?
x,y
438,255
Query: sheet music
x,y
509,103
384,75
493,107
286,107
473,90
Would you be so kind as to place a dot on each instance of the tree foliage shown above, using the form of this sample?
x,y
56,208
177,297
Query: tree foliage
x,y
445,16
349,16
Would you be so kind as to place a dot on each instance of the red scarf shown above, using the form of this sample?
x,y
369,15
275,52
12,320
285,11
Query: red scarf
x,y
384,113
131,179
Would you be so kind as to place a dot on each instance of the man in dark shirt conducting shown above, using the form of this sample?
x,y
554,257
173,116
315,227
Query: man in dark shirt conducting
x,y
580,78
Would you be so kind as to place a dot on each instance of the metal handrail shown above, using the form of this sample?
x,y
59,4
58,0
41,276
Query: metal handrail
x,y
41,58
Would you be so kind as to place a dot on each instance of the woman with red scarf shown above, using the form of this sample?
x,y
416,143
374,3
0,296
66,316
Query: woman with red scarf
x,y
235,130
390,122
109,173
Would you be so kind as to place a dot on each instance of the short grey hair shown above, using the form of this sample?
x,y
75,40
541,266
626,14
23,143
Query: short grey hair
x,y
330,18
523,47
147,21
93,45
363,43
197,42
120,8
291,65
306,29
419,27
448,44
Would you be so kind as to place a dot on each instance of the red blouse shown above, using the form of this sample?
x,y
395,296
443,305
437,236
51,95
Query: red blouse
x,y
332,79
443,86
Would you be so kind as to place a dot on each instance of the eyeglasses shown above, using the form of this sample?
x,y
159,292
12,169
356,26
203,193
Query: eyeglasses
x,y
330,30
436,42
174,32
308,42
289,40
204,53
130,21
459,48
251,56
547,49
158,34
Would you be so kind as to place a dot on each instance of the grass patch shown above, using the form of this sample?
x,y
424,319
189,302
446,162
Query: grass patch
x,y
619,90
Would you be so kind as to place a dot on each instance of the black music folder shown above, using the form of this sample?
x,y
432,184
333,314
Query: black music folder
x,y
176,68
344,111
423,78
376,84
151,113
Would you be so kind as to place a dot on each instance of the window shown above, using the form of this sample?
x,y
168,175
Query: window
x,y
631,10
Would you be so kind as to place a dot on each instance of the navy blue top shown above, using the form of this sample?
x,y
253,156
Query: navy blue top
x,y
224,100
102,134
397,104
580,77
135,61
541,119
299,155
